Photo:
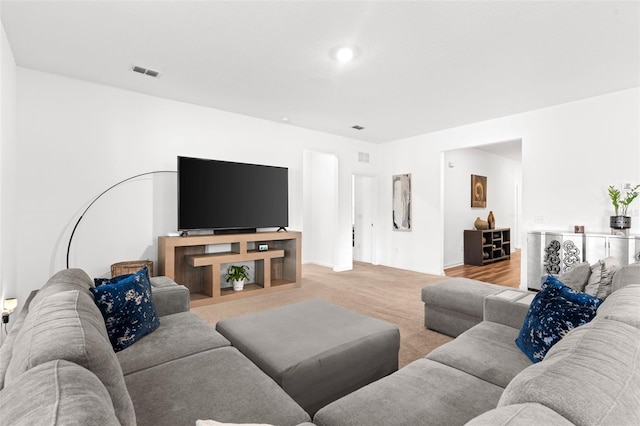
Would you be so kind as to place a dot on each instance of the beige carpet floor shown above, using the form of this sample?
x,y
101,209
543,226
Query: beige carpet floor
x,y
389,294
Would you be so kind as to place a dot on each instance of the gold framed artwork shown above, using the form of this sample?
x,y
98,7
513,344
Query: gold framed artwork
x,y
478,191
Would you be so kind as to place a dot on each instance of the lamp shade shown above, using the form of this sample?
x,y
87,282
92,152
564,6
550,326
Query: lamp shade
x,y
10,304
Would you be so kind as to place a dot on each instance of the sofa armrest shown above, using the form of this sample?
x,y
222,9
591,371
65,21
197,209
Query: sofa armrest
x,y
169,297
508,307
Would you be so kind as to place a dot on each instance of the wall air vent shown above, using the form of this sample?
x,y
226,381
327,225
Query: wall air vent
x,y
357,127
145,71
363,157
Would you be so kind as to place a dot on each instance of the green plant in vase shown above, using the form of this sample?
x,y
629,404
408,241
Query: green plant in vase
x,y
621,206
237,275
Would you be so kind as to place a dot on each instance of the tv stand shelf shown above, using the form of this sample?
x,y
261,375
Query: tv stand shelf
x,y
210,259
184,260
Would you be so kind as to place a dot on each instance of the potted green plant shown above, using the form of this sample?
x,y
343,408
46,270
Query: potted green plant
x,y
621,205
237,275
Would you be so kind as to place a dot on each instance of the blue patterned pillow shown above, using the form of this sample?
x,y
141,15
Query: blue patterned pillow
x,y
554,311
127,307
113,280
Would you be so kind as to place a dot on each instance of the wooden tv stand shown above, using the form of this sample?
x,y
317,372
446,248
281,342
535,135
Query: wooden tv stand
x,y
183,259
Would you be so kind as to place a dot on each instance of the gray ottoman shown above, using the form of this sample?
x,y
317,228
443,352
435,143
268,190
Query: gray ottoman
x,y
455,305
316,351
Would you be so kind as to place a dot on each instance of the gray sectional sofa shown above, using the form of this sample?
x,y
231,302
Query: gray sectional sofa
x,y
590,377
57,366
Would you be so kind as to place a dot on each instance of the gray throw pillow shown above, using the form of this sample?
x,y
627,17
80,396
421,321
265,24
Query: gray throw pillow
x,y
578,277
599,284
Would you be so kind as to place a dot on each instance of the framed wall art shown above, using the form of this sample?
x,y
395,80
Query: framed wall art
x,y
478,191
401,200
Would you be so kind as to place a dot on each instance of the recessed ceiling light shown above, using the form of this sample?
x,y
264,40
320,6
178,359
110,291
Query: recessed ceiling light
x,y
344,54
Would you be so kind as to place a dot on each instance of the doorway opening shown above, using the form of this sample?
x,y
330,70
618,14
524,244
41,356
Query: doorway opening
x,y
501,165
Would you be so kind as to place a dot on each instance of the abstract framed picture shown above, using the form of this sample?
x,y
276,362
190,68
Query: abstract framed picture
x,y
401,200
478,191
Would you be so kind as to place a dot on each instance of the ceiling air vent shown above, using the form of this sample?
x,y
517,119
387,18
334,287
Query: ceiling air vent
x,y
363,157
146,71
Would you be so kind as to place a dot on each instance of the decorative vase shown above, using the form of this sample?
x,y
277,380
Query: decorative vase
x,y
481,224
620,222
491,220
620,225
238,285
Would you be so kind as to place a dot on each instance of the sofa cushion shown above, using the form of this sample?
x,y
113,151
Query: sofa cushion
x,y
554,311
69,326
162,282
57,393
628,274
592,376
486,351
6,348
463,295
508,307
179,335
127,306
422,392
520,415
454,305
577,277
216,423
220,384
64,280
601,278
169,297
623,305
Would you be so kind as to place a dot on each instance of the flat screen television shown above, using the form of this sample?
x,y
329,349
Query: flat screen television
x,y
226,196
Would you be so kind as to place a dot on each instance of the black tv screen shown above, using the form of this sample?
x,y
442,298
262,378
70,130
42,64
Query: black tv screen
x,y
223,195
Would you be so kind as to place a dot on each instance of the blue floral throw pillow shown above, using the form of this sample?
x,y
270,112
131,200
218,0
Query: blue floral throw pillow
x,y
127,307
554,311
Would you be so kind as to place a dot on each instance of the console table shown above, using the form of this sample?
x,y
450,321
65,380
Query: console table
x,y
556,252
185,260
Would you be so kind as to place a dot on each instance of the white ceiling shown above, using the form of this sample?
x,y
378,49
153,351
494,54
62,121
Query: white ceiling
x,y
420,66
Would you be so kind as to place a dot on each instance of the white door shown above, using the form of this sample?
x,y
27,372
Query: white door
x,y
363,218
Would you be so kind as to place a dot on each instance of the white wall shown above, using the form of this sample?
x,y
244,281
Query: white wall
x,y
502,177
78,138
570,154
8,146
321,209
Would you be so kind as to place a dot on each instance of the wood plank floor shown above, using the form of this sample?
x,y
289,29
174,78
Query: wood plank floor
x,y
506,272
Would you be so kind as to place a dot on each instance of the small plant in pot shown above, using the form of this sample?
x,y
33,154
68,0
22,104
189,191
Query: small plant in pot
x,y
237,275
621,205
